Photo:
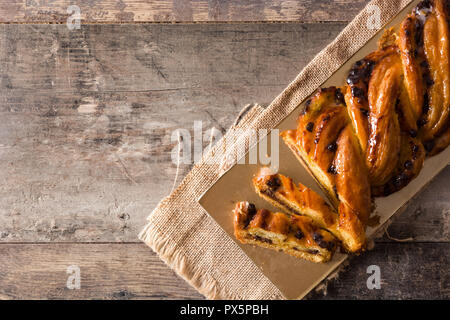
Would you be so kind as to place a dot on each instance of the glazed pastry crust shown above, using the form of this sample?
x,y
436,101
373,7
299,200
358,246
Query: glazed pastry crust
x,y
424,46
369,138
314,141
352,185
436,47
298,200
297,236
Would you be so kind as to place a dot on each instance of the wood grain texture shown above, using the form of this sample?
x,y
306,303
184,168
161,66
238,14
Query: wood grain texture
x,y
88,116
108,271
142,11
132,271
408,271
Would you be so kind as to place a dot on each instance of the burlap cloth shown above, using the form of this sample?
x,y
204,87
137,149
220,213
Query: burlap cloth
x,y
180,231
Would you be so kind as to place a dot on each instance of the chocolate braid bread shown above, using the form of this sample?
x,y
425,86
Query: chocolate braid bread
x,y
367,138
370,137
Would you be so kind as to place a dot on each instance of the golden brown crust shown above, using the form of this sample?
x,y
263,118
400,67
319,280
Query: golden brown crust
x,y
411,158
352,184
384,129
299,200
424,46
436,48
357,91
327,182
314,141
297,236
413,80
439,144
369,138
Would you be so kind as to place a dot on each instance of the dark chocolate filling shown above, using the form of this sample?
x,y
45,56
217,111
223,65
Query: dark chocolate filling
x,y
299,234
258,238
273,183
332,147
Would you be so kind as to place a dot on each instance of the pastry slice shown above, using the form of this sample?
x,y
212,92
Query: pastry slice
x,y
295,235
298,200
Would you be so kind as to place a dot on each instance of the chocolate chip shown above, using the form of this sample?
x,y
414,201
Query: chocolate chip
x,y
357,92
400,180
332,147
317,140
413,133
370,63
299,234
318,238
339,96
352,80
262,239
415,148
308,102
407,33
367,71
251,209
313,251
310,126
332,169
421,122
408,165
273,183
429,145
423,7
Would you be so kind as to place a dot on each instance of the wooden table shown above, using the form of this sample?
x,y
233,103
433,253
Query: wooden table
x,y
85,138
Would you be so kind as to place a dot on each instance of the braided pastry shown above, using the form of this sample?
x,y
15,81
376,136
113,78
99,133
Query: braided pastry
x,y
370,141
370,137
298,200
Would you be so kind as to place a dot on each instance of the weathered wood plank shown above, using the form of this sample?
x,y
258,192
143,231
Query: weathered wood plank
x,y
130,271
408,271
132,11
121,271
87,116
